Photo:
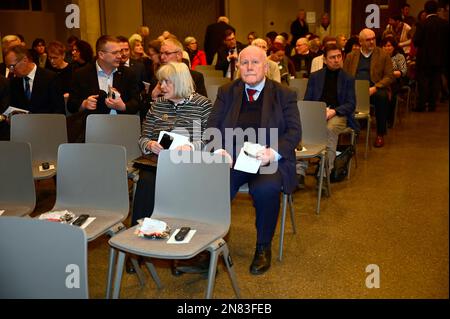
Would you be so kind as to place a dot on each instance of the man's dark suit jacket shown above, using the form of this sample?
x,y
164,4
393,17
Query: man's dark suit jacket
x,y
431,41
214,36
199,82
3,69
46,94
4,103
222,54
85,84
279,111
345,94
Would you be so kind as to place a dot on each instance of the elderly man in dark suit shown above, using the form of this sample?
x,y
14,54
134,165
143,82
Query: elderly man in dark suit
x,y
431,41
4,102
268,111
33,88
227,54
101,87
336,88
214,35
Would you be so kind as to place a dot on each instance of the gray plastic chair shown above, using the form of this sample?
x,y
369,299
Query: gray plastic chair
x,y
200,68
122,130
180,201
44,132
314,139
299,85
210,80
42,259
211,73
363,106
211,90
287,199
17,192
92,179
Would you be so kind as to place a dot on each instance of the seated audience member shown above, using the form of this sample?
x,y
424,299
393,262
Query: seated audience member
x,y
101,87
137,53
302,58
56,56
373,64
196,56
352,44
214,35
270,37
285,65
38,51
71,41
389,45
319,61
171,51
136,66
251,37
341,40
82,54
314,45
227,54
400,31
4,103
273,72
255,103
33,88
336,88
323,29
8,41
184,110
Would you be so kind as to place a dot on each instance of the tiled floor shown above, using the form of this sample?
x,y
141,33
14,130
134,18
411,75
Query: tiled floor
x,y
392,213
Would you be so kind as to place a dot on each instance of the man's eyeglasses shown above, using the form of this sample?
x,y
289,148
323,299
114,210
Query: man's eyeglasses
x,y
13,66
168,53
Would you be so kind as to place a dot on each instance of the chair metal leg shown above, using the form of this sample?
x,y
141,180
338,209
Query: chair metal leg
x,y
367,137
291,210
119,271
212,273
319,191
229,263
283,220
151,268
139,272
112,258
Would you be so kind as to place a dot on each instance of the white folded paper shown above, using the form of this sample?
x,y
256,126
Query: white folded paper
x,y
178,140
11,109
152,226
1,212
246,161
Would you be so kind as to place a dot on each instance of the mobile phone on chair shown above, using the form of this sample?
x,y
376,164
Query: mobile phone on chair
x,y
166,141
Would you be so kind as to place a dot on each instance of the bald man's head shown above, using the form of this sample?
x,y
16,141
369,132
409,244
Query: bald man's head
x,y
367,40
253,65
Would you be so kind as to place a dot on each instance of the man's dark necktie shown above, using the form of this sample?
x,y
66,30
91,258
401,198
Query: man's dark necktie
x,y
10,75
27,88
251,93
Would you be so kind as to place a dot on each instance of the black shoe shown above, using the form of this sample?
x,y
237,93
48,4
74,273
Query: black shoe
x,y
197,265
301,181
261,260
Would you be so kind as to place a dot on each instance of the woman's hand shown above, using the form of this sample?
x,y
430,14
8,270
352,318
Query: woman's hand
x,y
154,147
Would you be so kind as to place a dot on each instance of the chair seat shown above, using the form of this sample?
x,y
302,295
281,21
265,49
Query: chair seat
x,y
361,115
206,234
49,173
104,220
312,150
16,209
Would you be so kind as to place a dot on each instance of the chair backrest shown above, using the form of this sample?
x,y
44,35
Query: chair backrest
x,y
92,176
201,68
42,259
211,73
216,81
115,129
314,122
16,175
211,90
193,186
299,85
44,132
362,96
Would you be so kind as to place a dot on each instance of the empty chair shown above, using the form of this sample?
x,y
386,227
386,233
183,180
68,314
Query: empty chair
x,y
299,85
216,81
42,259
211,90
44,132
287,199
211,73
92,179
314,139
180,201
122,130
17,193
362,110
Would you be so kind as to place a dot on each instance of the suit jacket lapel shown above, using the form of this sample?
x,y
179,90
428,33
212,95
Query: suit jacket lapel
x,y
267,103
238,94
